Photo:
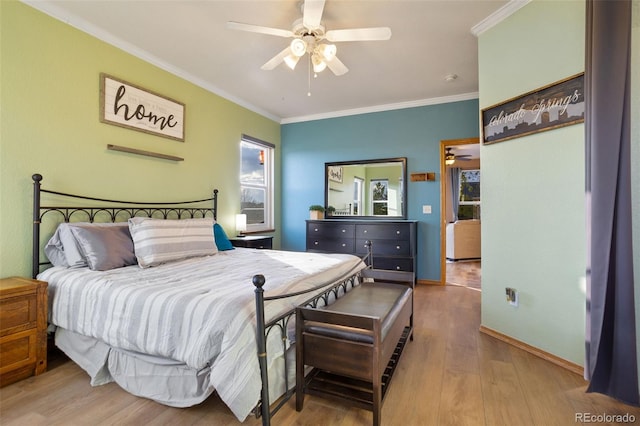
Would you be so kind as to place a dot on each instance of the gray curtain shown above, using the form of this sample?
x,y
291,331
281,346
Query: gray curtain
x,y
454,181
611,362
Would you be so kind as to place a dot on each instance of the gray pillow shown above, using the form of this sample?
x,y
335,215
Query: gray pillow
x,y
54,249
105,247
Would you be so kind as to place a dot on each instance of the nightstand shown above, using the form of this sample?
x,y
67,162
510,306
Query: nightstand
x,y
23,328
253,241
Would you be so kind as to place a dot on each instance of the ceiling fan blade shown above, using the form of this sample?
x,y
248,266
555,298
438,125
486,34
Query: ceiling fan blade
x,y
312,13
276,60
259,29
336,66
359,34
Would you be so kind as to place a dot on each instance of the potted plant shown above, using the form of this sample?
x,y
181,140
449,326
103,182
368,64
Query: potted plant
x,y
316,212
330,210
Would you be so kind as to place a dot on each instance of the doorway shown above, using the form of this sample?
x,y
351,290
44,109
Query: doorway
x,y
466,152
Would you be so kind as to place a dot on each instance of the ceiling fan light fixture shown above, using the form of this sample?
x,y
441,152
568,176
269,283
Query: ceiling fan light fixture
x,y
318,64
298,47
327,51
449,157
291,60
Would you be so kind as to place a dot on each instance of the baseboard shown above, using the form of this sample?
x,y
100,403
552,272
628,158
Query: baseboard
x,y
429,282
561,362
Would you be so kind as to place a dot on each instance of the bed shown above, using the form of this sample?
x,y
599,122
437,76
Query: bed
x,y
153,296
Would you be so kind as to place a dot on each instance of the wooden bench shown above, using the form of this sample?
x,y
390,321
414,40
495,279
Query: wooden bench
x,y
354,343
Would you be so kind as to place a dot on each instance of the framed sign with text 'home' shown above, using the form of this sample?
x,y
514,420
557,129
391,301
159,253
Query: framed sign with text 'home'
x,y
126,105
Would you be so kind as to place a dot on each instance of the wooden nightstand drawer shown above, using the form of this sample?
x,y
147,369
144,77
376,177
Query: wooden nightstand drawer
x,y
17,350
18,314
23,328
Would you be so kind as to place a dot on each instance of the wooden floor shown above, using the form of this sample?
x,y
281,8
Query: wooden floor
x,y
449,375
464,273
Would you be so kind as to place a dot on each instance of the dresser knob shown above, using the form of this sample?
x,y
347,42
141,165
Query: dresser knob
x,y
344,245
315,243
397,247
365,231
315,230
344,230
397,268
397,232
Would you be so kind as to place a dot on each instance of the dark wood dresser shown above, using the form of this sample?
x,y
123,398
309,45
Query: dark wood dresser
x,y
394,242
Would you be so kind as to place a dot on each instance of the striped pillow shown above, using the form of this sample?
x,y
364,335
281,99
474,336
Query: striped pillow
x,y
159,241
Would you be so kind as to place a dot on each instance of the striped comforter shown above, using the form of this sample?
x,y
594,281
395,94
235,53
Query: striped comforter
x,y
197,311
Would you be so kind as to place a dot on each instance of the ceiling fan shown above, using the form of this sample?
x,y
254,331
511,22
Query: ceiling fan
x,y
309,36
450,157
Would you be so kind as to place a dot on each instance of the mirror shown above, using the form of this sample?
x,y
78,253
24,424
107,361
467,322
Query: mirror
x,y
369,189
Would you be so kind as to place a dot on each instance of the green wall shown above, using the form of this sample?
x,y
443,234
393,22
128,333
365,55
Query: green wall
x,y
533,203
50,125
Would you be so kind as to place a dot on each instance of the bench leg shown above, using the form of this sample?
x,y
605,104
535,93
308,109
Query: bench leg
x,y
411,318
411,324
376,406
299,399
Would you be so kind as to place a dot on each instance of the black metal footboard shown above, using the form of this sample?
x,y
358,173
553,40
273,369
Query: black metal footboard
x,y
263,328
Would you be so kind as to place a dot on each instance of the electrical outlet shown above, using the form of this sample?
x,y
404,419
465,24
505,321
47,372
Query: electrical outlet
x,y
426,209
512,296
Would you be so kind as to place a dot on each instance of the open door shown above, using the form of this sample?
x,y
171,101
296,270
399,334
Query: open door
x,y
444,144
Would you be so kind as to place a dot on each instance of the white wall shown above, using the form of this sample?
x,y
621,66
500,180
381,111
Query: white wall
x,y
533,221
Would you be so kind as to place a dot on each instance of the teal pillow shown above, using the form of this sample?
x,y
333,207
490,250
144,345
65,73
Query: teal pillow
x,y
222,241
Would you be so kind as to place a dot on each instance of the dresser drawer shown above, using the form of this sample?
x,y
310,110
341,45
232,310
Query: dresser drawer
x,y
385,247
330,245
388,231
393,263
330,230
18,314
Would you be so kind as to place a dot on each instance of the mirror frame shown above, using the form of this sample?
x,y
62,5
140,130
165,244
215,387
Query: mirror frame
x,y
403,163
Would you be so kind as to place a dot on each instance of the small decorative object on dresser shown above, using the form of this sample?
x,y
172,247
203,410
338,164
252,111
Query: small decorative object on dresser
x,y
316,212
253,241
23,328
394,241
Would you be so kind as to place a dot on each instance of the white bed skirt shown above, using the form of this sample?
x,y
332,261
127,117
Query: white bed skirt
x,y
165,381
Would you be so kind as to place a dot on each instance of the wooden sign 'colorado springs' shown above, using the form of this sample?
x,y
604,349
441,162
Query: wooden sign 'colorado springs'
x,y
556,105
126,105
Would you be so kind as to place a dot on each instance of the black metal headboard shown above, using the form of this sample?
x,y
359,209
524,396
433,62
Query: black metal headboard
x,y
115,212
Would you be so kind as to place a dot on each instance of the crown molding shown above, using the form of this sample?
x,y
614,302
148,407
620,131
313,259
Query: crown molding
x,y
73,20
56,12
382,108
498,16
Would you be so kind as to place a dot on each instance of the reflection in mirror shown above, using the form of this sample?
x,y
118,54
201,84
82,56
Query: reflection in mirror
x,y
368,188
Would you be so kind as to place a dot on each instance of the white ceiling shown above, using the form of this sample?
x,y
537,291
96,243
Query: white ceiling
x,y
430,40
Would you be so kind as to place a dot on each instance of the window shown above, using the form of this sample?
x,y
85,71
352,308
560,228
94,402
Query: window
x,y
469,206
357,195
256,183
379,196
